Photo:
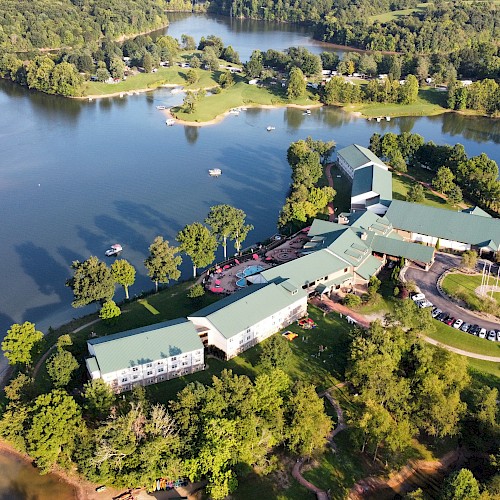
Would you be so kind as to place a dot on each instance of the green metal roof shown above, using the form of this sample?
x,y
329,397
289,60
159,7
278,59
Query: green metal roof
x,y
310,267
358,156
476,211
369,221
248,307
92,364
369,267
401,248
372,178
455,226
142,345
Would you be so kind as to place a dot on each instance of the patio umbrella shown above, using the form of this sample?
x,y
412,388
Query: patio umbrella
x,y
217,282
255,256
227,266
236,261
216,289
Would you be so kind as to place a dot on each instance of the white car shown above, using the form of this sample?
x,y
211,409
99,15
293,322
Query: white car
x,y
424,303
436,312
465,327
418,297
482,333
492,335
458,323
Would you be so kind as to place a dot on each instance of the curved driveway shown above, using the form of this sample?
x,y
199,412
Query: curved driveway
x,y
427,282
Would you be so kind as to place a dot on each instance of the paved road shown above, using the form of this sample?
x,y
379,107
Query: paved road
x,y
426,281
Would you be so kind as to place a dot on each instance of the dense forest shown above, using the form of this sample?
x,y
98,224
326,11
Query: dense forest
x,y
36,24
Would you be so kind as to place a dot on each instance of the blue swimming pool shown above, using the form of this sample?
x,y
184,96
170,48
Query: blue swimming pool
x,y
248,271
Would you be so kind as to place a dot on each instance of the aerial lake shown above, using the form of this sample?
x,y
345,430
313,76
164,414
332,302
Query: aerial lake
x,y
77,176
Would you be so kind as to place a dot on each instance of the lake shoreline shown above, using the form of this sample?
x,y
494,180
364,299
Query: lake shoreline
x,y
83,490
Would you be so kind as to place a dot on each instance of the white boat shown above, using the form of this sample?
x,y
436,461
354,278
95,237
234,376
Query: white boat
x,y
114,250
170,121
388,118
161,107
269,128
234,111
215,172
307,112
177,90
379,119
244,109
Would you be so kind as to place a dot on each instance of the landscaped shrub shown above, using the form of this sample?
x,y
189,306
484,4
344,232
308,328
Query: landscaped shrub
x,y
351,300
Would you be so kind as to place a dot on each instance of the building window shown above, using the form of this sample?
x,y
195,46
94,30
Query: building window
x,y
185,363
346,269
174,358
160,370
160,362
241,341
135,377
125,379
248,337
134,369
149,365
149,373
161,378
174,367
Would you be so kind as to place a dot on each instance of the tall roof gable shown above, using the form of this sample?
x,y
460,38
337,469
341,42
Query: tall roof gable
x,y
357,156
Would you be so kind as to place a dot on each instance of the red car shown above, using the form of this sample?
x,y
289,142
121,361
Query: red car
x,y
450,321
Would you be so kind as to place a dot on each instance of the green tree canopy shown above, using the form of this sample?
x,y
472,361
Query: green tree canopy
x,y
461,485
275,353
199,244
18,344
92,281
416,193
469,259
109,311
60,367
123,273
443,181
98,398
163,262
296,84
55,422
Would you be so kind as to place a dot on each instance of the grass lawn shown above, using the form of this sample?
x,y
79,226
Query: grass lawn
x,y
430,102
465,341
396,14
240,94
401,185
456,281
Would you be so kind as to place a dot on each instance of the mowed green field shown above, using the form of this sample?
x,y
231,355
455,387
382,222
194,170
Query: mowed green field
x,y
401,185
239,95
457,281
430,102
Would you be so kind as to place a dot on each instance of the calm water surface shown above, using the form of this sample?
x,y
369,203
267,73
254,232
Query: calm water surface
x,y
76,177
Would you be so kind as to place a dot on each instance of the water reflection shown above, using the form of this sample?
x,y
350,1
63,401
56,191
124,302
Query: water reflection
x,y
191,134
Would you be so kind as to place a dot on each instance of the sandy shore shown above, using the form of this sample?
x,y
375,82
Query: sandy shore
x,y
219,118
125,92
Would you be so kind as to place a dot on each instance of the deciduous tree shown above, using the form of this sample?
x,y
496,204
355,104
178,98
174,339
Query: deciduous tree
x,y
60,367
163,262
296,84
199,244
92,281
109,311
123,273
18,344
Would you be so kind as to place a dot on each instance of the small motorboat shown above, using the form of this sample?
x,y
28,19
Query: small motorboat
x,y
161,107
307,112
269,128
114,250
215,172
170,122
234,111
387,118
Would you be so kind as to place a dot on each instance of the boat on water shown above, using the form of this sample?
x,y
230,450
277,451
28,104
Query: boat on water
x,y
307,112
170,121
215,172
388,118
379,118
234,111
270,127
161,107
113,250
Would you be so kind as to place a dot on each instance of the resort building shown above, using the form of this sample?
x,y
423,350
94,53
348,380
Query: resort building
x,y
471,229
146,355
239,321
353,157
371,189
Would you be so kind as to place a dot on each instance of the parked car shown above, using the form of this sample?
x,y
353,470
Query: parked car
x,y
442,316
436,312
450,321
417,297
492,335
424,303
498,335
482,333
475,329
458,323
465,327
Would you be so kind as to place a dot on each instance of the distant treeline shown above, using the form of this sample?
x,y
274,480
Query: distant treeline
x,y
459,33
34,24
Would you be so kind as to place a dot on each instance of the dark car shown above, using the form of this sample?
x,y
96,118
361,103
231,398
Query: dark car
x,y
442,316
475,329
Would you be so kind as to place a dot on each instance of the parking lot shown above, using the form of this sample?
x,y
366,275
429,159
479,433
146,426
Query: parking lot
x,y
427,281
